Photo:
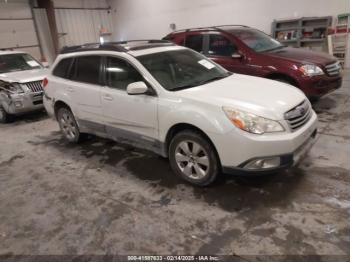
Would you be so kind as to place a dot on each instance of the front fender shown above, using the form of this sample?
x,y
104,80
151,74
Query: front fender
x,y
208,118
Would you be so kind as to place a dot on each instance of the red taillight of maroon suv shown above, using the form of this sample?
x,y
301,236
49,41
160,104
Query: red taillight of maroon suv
x,y
245,50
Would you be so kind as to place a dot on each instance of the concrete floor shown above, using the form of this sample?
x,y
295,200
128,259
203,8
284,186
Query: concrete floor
x,y
99,197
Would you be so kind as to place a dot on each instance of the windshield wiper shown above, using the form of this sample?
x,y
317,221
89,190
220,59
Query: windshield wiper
x,y
275,48
214,79
183,87
202,82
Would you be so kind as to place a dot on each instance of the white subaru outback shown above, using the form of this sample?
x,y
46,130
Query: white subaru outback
x,y
177,103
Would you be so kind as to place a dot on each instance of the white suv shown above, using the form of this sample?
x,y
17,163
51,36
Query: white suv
x,y
20,84
175,102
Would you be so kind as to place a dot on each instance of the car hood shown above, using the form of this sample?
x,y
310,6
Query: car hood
x,y
302,56
263,97
24,76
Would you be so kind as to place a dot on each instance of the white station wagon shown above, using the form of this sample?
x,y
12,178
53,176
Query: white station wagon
x,y
179,104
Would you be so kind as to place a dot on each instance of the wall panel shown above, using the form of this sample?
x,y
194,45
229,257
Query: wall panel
x,y
81,26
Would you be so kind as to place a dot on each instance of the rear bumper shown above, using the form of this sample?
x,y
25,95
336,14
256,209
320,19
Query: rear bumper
x,y
49,106
318,86
23,103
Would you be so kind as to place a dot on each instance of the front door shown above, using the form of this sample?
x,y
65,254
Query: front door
x,y
128,118
221,50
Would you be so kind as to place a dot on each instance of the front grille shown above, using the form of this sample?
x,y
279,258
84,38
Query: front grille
x,y
299,115
333,69
35,86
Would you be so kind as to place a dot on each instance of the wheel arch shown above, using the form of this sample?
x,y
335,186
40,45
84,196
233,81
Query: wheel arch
x,y
288,78
59,104
179,127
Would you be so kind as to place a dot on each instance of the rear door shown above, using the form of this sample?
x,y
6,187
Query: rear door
x,y
85,89
129,118
220,49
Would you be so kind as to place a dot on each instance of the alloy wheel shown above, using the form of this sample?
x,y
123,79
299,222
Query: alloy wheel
x,y
68,126
192,159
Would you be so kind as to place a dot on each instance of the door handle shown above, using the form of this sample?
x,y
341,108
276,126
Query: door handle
x,y
70,89
108,97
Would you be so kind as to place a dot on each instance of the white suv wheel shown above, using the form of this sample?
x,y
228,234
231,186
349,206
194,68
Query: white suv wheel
x,y
68,125
3,115
193,158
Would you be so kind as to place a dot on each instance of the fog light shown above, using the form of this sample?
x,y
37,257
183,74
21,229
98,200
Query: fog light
x,y
264,163
18,104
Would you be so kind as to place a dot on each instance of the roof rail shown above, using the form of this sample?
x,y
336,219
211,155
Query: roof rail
x,y
93,47
121,46
216,27
147,41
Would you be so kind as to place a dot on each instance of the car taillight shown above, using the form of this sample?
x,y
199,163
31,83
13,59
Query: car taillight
x,y
45,82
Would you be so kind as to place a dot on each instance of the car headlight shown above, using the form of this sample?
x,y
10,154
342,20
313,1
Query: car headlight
x,y
16,88
311,70
252,123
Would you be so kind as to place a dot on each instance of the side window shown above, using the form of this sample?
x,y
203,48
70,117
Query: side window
x,y
194,42
61,70
120,73
87,69
221,46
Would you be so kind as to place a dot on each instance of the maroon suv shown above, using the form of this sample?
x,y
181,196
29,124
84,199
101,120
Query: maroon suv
x,y
245,50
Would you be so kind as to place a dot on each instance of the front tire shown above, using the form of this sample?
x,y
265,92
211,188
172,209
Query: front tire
x,y
68,125
193,158
4,116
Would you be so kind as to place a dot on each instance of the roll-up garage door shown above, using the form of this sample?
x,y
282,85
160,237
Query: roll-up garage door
x,y
17,29
77,27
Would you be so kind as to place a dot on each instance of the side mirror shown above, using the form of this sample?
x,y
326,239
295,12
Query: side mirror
x,y
236,55
137,88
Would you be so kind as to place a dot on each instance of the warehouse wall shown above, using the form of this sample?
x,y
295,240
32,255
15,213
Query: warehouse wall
x,y
17,28
80,21
151,19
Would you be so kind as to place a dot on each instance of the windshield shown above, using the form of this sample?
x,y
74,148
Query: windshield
x,y
257,40
181,69
17,62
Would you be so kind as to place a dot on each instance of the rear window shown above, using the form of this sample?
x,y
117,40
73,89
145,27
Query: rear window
x,y
62,69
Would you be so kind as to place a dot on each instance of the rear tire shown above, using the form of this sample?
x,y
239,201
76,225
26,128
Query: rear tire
x,y
4,116
68,125
193,158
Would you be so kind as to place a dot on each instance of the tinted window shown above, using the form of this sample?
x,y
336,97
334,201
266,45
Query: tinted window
x,y
61,70
221,46
194,42
120,73
87,69
256,40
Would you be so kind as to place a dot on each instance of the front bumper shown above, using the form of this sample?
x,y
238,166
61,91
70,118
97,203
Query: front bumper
x,y
18,104
237,148
286,161
318,86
